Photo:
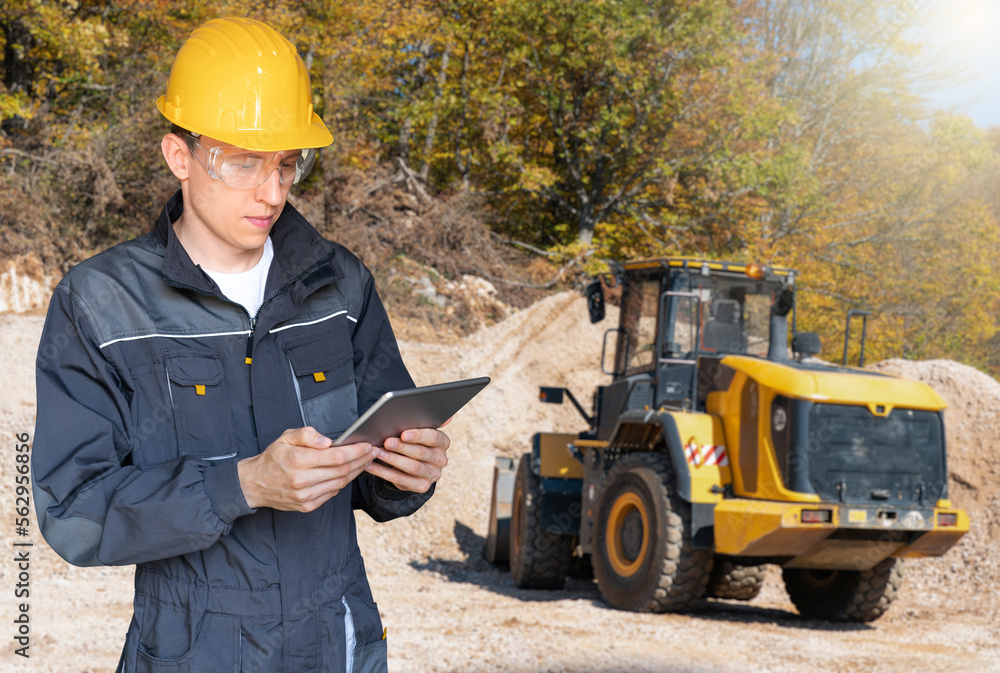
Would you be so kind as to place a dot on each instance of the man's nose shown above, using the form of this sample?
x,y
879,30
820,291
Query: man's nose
x,y
271,191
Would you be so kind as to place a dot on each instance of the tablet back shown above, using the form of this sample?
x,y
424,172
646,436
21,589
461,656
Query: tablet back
x,y
399,410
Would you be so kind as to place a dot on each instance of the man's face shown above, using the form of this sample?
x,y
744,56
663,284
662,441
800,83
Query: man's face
x,y
234,220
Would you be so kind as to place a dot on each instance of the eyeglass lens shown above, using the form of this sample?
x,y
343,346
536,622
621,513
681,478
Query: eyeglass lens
x,y
243,169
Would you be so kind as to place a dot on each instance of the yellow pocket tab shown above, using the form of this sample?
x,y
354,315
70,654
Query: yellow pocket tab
x,y
200,390
319,376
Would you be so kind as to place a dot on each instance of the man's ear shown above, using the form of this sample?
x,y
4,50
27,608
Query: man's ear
x,y
176,153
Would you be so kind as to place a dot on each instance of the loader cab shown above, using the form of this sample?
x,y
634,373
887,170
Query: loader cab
x,y
678,319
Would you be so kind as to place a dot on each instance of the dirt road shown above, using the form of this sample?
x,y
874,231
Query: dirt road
x,y
446,609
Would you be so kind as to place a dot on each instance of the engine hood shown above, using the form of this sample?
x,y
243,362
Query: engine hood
x,y
838,385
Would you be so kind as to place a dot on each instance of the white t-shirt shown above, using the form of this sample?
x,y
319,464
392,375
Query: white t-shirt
x,y
246,287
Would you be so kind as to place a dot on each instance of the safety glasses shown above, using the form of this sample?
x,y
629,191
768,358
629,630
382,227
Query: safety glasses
x,y
245,169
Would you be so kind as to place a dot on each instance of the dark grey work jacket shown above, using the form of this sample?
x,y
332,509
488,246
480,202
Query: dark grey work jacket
x,y
151,386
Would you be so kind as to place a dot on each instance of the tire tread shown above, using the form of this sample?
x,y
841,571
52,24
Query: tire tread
x,y
684,571
542,560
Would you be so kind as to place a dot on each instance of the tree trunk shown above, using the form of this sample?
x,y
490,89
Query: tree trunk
x,y
403,144
332,179
464,162
586,223
19,71
425,165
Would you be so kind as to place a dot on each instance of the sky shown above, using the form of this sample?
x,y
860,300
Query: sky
x,y
967,35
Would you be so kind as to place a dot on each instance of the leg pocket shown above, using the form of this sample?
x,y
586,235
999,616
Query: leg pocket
x,y
371,658
364,612
261,644
214,647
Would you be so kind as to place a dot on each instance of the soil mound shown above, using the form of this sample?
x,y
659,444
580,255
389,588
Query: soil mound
x,y
972,426
551,343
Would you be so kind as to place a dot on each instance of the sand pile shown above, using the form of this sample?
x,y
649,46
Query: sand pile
x,y
972,424
972,427
551,343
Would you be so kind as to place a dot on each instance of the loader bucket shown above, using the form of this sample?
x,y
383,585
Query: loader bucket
x,y
497,539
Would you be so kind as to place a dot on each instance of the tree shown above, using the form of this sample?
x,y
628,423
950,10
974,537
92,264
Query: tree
x,y
600,122
568,115
868,197
51,56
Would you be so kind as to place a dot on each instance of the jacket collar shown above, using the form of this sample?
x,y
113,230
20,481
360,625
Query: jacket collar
x,y
300,253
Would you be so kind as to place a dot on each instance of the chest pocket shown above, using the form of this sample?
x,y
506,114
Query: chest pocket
x,y
199,397
323,370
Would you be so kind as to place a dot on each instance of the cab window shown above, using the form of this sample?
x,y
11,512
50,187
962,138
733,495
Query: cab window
x,y
637,339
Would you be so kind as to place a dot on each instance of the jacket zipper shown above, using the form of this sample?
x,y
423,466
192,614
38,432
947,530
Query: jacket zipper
x,y
181,286
251,319
253,324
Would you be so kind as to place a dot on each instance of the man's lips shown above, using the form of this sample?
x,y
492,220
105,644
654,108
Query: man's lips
x,y
262,222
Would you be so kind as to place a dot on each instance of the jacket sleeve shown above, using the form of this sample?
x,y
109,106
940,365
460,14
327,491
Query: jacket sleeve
x,y
94,506
379,368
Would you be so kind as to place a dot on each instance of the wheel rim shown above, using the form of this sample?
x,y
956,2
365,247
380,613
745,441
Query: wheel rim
x,y
628,534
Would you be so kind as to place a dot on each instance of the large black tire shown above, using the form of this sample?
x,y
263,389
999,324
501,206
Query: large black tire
x,y
844,595
735,582
643,556
538,559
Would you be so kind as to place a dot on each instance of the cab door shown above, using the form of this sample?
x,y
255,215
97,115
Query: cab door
x,y
636,349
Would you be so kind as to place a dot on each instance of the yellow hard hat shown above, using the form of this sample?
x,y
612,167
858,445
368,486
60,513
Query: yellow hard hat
x,y
241,82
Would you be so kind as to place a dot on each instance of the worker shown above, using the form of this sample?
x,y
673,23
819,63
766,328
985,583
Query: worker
x,y
190,380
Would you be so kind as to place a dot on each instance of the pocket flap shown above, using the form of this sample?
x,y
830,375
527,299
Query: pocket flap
x,y
194,368
318,355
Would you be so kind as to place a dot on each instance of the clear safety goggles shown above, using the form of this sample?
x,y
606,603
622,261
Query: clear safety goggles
x,y
245,169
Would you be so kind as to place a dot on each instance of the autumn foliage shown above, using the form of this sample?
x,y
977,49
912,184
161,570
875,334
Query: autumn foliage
x,y
786,131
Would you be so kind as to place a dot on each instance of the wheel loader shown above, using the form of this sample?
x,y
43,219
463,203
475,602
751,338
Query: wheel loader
x,y
721,446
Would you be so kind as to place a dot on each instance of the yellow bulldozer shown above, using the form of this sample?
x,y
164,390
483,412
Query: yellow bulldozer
x,y
721,446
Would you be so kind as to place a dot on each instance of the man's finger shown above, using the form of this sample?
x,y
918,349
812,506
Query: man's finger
x,y
309,437
401,480
427,437
337,460
321,483
412,459
336,483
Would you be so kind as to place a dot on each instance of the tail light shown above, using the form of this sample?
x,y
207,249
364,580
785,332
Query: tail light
x,y
947,519
817,516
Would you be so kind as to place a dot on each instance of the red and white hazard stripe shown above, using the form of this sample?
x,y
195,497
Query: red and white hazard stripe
x,y
706,454
715,455
692,454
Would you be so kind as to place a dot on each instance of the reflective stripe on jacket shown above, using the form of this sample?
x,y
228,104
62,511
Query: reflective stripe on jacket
x,y
151,386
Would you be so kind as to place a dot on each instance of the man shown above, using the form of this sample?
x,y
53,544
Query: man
x,y
189,381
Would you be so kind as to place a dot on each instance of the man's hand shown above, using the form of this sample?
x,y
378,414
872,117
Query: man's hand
x,y
301,470
413,461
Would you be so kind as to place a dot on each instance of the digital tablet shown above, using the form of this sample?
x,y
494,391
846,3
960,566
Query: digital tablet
x,y
399,410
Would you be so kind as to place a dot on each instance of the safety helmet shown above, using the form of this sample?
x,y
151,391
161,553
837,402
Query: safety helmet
x,y
241,82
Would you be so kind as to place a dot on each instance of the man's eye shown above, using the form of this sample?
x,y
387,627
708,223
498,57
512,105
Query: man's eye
x,y
248,162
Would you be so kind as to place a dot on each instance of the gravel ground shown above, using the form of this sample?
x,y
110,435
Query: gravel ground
x,y
448,610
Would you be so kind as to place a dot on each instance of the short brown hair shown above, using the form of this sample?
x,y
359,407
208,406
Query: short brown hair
x,y
189,137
